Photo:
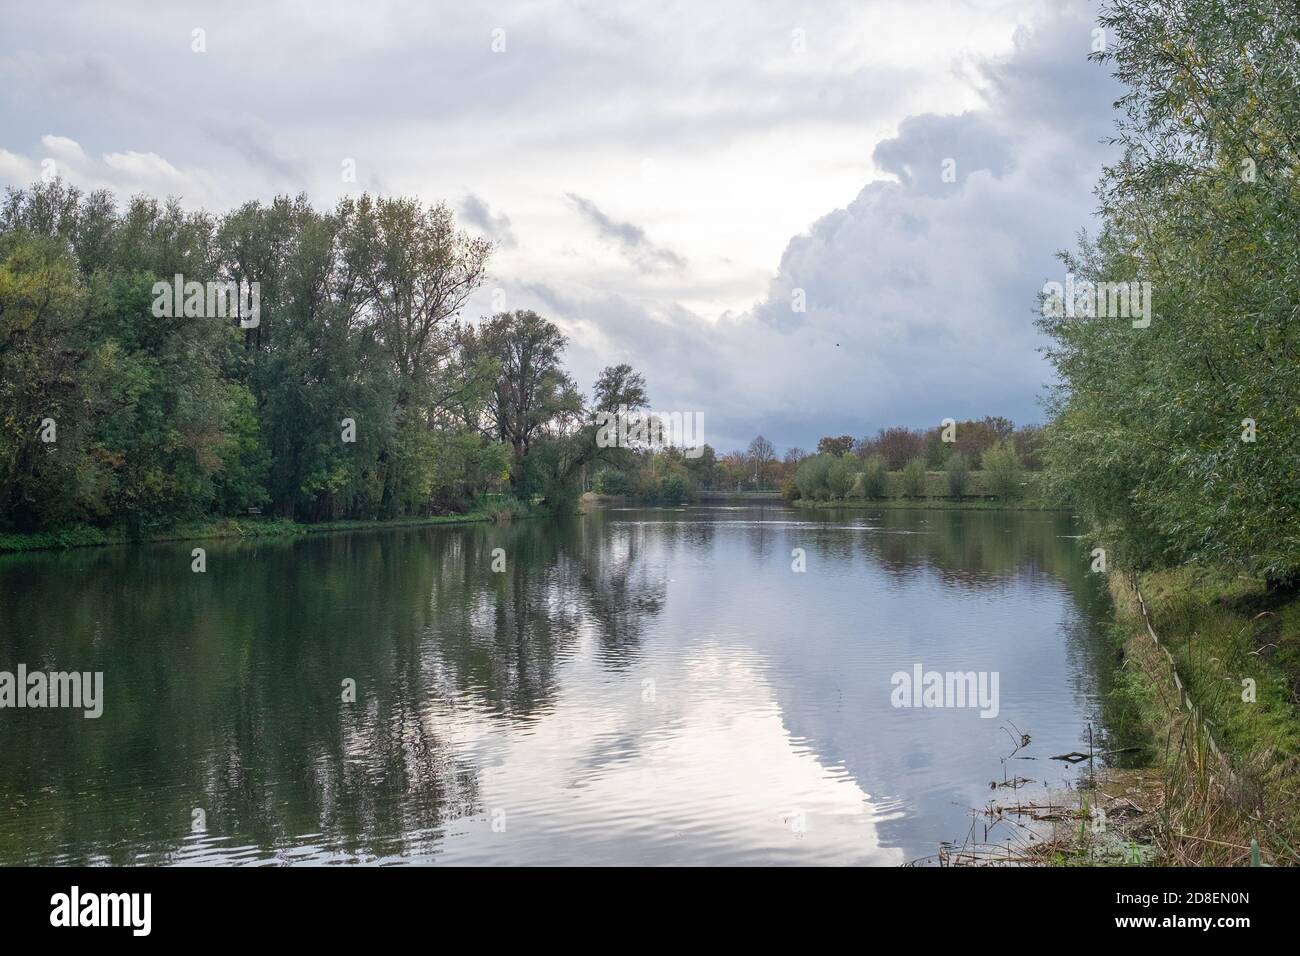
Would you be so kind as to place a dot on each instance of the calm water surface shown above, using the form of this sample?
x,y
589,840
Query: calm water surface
x,y
638,687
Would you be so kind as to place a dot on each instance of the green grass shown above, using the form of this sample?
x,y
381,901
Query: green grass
x,y
1223,629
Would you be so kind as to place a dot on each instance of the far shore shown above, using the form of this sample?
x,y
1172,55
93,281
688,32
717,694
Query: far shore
x,y
85,536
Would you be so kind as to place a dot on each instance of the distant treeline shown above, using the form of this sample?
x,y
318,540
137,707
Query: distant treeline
x,y
970,439
669,476
843,468
357,393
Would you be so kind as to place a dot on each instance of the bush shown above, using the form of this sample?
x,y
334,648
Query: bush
x,y
674,490
875,478
812,474
958,474
790,490
841,476
1002,466
914,479
614,483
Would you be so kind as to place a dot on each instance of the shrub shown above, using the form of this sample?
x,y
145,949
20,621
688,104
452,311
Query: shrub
x,y
613,482
674,490
914,479
958,474
1002,465
841,476
875,478
811,476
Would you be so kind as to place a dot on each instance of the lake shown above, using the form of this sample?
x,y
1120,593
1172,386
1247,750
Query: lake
x,y
634,686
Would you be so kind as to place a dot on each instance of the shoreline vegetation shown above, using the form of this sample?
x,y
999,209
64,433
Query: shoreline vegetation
x,y
1217,696
1211,697
979,490
1208,676
1173,438
88,536
929,504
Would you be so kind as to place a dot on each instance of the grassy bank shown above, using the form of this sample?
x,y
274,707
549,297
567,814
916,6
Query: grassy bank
x,y
1235,648
931,504
86,536
1220,780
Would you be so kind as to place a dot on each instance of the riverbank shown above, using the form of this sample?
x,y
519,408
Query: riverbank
x,y
1219,694
1210,680
84,536
929,504
1211,671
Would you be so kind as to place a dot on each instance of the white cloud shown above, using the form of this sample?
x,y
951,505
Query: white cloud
x,y
15,169
60,147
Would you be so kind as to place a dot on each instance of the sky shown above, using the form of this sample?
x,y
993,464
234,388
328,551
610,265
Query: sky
x,y
794,219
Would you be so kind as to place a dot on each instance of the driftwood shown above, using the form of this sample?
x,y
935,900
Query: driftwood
x,y
1075,756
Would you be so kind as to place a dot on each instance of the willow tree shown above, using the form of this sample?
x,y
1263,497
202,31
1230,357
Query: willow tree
x,y
1179,441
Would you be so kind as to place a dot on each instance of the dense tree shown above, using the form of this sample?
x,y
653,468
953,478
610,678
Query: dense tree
x,y
1176,439
835,446
356,393
898,446
532,391
813,476
619,387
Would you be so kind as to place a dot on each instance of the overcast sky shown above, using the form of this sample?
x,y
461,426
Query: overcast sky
x,y
660,177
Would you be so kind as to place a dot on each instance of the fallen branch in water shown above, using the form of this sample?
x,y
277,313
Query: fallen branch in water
x,y
1074,756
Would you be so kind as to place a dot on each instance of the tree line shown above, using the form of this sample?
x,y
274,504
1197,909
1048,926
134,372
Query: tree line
x,y
358,393
833,471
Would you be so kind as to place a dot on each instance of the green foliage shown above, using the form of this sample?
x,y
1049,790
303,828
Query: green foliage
x,y
166,421
614,481
1147,436
913,478
812,477
957,474
1003,471
674,490
875,477
842,475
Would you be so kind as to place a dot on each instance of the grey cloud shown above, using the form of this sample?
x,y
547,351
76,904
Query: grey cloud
x,y
919,300
630,238
254,140
928,146
478,214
